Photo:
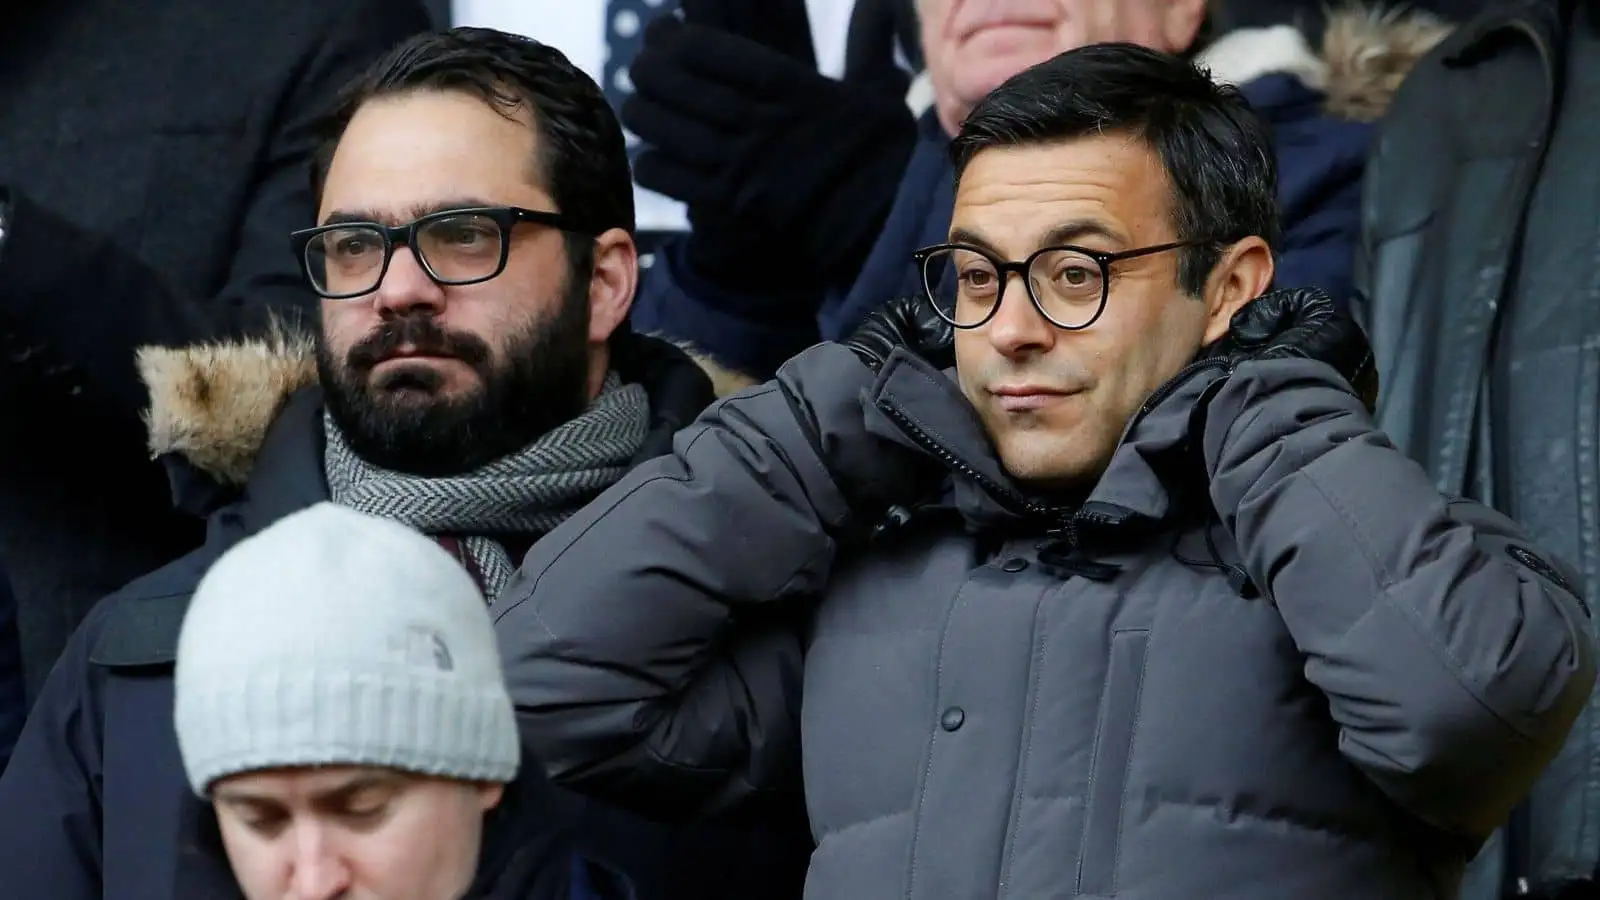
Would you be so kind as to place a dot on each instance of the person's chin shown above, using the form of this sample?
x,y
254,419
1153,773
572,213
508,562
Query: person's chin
x,y
988,62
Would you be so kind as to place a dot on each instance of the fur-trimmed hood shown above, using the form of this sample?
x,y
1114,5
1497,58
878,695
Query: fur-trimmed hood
x,y
1366,53
213,403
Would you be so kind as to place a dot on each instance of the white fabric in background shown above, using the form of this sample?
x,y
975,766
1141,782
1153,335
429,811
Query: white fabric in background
x,y
830,30
578,29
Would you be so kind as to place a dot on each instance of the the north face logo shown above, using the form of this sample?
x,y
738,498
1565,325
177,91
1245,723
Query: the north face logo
x,y
425,647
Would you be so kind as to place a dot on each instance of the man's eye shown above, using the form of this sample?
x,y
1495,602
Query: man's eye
x,y
265,824
352,246
1076,276
366,809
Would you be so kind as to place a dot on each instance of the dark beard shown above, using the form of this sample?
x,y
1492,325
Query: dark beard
x,y
399,423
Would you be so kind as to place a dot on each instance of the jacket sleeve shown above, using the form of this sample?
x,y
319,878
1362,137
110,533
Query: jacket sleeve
x,y
50,835
1454,655
76,304
751,336
653,643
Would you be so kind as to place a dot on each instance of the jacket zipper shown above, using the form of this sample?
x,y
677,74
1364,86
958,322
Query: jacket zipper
x,y
1004,492
1175,382
1068,522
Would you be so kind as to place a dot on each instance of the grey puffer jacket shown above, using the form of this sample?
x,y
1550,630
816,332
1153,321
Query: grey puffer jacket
x,y
1335,686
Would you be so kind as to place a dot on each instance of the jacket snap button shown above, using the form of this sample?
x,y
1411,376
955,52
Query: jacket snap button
x,y
952,718
1014,565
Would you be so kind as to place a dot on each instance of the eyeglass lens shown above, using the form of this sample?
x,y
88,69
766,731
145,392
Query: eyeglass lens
x,y
457,249
965,286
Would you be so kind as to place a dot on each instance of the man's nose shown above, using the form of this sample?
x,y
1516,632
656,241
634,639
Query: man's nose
x,y
320,872
1018,328
406,287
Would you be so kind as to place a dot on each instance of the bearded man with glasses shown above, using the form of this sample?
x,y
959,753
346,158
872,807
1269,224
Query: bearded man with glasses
x,y
1133,601
473,378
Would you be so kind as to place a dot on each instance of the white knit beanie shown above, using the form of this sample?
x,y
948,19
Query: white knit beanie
x,y
336,638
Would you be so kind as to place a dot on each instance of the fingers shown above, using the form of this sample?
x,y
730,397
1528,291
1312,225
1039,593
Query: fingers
x,y
782,26
668,174
681,134
661,77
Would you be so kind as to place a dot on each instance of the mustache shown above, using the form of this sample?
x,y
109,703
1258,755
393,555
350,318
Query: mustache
x,y
421,333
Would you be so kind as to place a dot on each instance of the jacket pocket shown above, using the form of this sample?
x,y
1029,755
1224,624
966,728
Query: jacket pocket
x,y
1108,770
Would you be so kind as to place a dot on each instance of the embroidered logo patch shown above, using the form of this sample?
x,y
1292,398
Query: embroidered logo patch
x,y
424,647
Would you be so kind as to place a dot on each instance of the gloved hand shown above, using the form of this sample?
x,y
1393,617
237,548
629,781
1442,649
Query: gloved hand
x,y
1302,323
908,322
788,174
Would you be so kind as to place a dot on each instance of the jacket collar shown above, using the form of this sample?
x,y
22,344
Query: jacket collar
x,y
1542,21
528,843
289,474
1146,483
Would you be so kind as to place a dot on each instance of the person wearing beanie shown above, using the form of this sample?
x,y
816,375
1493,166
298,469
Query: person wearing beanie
x,y
339,703
472,376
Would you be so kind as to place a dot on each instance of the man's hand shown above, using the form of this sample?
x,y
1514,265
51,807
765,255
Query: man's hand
x,y
1302,323
788,174
908,322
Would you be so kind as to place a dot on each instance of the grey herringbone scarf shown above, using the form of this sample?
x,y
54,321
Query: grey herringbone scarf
x,y
529,492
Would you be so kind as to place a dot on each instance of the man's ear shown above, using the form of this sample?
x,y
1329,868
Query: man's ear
x,y
1242,274
611,287
490,794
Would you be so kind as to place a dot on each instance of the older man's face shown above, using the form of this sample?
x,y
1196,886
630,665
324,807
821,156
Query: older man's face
x,y
971,46
351,833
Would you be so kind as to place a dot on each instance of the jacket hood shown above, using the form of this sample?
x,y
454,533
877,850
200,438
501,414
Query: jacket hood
x,y
212,404
1365,54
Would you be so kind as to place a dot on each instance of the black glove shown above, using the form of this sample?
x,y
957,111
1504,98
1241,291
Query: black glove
x,y
1302,323
908,322
788,174
782,25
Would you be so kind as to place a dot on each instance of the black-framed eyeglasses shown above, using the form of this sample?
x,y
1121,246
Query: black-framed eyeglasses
x,y
345,260
1068,285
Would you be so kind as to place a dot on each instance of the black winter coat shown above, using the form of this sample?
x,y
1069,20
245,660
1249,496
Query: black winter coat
x,y
1494,388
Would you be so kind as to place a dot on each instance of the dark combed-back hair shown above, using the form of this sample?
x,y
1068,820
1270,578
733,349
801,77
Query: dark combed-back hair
x,y
582,160
1217,152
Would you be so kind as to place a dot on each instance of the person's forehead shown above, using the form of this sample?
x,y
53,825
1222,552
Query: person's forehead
x,y
1114,182
411,150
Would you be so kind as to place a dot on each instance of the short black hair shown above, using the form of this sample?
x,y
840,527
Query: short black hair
x,y
583,157
1217,152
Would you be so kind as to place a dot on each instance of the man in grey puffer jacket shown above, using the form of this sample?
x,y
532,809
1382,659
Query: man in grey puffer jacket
x,y
1136,602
